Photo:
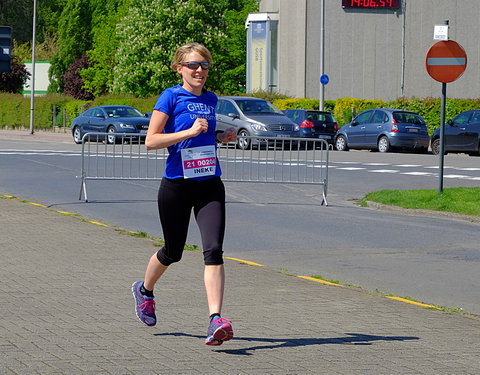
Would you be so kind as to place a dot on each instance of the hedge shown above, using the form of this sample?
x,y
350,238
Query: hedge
x,y
51,109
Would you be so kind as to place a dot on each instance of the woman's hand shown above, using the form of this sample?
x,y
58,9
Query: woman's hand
x,y
229,135
199,126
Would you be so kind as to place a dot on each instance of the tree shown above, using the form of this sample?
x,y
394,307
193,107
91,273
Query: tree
x,y
74,38
151,32
98,77
233,63
14,80
18,14
74,82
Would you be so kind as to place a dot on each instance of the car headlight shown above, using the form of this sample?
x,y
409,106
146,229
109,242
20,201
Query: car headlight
x,y
259,127
125,126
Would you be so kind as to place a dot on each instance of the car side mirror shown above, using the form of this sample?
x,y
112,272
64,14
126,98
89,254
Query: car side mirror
x,y
450,122
354,123
233,115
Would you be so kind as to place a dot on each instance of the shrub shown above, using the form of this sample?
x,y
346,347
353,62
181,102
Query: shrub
x,y
14,80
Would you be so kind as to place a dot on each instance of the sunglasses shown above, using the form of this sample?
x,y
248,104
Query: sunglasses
x,y
194,65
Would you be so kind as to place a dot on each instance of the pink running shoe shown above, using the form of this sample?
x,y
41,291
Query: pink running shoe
x,y
220,330
144,306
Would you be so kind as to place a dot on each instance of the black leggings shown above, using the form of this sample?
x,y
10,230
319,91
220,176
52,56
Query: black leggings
x,y
176,198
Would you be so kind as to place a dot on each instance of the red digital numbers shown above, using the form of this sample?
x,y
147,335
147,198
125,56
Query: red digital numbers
x,y
371,3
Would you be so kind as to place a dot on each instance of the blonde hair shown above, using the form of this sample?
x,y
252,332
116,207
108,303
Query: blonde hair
x,y
183,51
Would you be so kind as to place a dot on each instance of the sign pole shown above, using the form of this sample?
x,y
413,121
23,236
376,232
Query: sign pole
x,y
322,54
446,60
442,137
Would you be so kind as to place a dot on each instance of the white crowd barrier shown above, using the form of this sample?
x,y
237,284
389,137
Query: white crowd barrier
x,y
266,160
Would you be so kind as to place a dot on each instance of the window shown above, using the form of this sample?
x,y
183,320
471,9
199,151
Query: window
x,y
462,118
380,117
97,113
363,118
476,117
89,112
229,108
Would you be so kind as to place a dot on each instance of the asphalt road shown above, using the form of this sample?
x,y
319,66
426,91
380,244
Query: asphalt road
x,y
434,260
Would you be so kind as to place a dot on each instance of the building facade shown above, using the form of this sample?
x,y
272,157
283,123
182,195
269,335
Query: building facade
x,y
370,53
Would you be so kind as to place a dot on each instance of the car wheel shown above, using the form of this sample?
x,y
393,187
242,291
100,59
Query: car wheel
x,y
436,146
111,138
341,143
244,143
383,144
77,135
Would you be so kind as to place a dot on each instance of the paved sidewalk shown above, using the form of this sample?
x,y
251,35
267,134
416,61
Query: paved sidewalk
x,y
67,309
60,135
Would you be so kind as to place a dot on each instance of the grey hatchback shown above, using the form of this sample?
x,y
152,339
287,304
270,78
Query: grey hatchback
x,y
383,129
253,117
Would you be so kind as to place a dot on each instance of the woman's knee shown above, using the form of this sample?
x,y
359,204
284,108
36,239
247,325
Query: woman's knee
x,y
213,257
168,257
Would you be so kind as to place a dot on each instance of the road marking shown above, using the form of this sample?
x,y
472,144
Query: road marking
x,y
246,262
96,223
351,168
419,173
384,171
415,303
36,204
456,176
319,280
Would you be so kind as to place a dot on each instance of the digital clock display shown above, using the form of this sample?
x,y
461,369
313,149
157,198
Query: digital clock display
x,y
371,4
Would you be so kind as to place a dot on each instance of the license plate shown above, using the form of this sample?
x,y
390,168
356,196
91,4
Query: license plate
x,y
413,130
325,137
282,136
143,132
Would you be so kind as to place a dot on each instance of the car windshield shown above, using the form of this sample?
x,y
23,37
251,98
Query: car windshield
x,y
408,118
250,107
319,117
122,112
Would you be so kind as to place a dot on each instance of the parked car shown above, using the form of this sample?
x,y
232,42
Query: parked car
x,y
253,117
313,124
462,134
384,129
109,119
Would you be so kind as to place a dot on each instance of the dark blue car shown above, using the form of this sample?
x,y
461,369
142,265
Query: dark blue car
x,y
313,124
462,134
109,119
384,129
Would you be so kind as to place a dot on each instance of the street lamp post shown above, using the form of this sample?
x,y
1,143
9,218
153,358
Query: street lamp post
x,y
32,80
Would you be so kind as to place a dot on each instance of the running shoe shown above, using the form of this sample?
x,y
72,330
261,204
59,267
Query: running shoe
x,y
220,330
144,306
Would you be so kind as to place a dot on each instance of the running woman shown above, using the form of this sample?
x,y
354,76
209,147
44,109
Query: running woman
x,y
183,120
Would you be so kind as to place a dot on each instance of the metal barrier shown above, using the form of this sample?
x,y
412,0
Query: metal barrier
x,y
266,160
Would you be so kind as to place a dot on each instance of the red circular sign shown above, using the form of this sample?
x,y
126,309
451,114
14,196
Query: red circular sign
x,y
446,61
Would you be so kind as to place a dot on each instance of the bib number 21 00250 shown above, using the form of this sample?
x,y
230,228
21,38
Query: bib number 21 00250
x,y
199,161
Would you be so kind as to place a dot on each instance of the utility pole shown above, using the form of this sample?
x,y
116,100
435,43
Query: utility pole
x,y
32,80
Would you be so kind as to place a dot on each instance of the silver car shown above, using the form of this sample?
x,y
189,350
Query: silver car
x,y
253,117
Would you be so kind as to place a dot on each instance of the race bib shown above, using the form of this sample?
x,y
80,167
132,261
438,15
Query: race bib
x,y
199,161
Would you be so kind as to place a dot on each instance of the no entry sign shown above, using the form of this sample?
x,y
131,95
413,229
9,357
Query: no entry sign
x,y
446,61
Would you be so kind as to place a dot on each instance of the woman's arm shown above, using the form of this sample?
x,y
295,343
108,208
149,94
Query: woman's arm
x,y
156,139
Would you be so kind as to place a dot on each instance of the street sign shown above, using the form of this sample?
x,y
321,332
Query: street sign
x,y
324,79
440,32
446,61
5,48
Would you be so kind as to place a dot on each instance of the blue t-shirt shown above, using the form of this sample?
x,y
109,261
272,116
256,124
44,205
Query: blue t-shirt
x,y
183,108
